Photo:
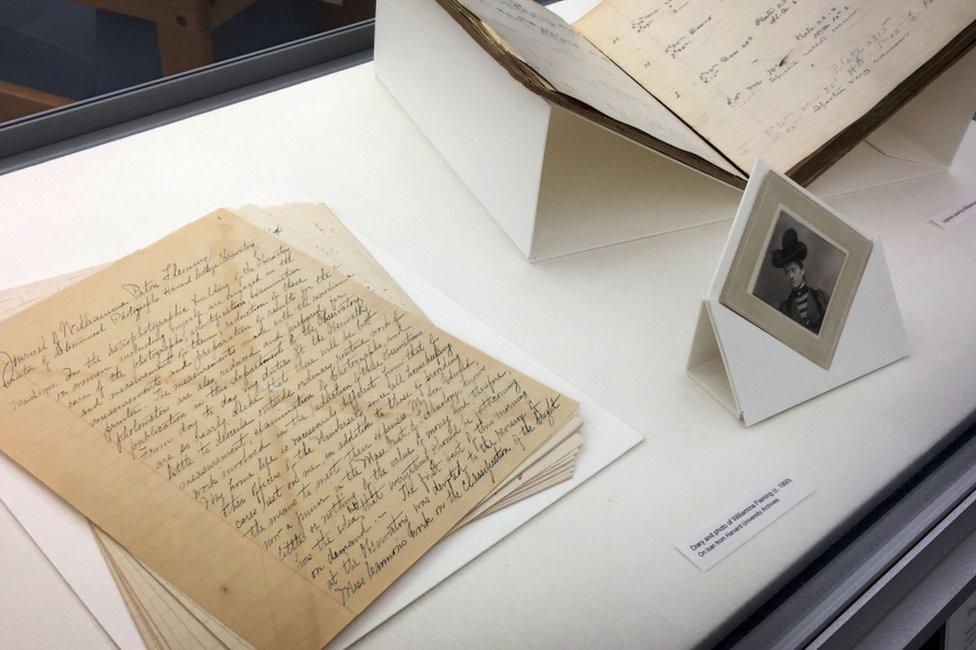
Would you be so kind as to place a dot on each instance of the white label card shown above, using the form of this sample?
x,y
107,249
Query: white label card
x,y
960,629
734,527
957,215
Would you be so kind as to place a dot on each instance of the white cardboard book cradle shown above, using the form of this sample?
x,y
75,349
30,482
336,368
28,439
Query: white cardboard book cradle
x,y
756,376
557,183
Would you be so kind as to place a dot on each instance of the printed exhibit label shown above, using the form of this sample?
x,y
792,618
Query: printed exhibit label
x,y
956,216
726,532
960,629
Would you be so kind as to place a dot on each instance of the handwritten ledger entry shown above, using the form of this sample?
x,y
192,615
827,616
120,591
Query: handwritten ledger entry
x,y
776,78
263,432
717,84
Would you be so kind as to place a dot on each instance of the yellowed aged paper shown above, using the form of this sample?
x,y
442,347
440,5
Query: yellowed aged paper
x,y
166,617
174,620
273,439
143,621
574,67
314,230
772,78
527,482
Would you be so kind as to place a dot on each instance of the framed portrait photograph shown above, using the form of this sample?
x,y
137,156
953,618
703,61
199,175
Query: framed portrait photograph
x,y
796,270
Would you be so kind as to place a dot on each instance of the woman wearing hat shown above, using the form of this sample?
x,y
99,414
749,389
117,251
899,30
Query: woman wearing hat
x,y
805,305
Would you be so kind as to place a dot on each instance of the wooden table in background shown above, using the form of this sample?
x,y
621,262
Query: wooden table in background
x,y
184,27
184,31
18,101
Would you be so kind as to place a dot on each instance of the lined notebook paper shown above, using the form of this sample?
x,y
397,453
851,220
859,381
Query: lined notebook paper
x,y
100,383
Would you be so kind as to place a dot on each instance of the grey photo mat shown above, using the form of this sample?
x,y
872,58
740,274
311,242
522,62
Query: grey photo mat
x,y
779,195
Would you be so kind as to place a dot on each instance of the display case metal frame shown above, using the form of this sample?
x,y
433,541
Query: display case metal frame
x,y
85,123
845,591
861,586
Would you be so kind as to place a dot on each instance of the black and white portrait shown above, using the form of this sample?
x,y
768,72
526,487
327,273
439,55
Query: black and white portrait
x,y
798,272
796,269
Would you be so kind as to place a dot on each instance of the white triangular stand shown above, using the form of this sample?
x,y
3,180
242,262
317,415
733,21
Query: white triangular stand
x,y
756,376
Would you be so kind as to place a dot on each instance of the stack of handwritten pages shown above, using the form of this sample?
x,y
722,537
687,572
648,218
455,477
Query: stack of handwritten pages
x,y
262,428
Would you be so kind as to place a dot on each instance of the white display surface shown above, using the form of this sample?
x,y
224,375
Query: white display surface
x,y
601,567
39,610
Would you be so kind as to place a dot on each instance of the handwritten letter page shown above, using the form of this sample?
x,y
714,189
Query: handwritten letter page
x,y
264,433
776,78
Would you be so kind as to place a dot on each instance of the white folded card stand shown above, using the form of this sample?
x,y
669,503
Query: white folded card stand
x,y
557,183
752,373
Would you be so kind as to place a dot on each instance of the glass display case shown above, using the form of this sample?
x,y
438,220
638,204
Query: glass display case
x,y
888,576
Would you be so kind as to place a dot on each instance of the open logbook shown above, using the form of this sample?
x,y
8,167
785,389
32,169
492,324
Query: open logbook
x,y
714,85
